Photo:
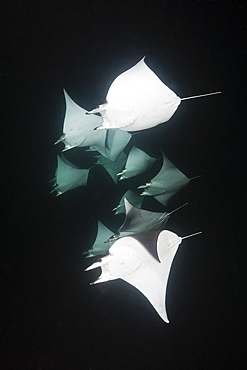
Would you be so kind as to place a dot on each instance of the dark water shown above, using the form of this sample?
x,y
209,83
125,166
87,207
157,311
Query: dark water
x,y
51,317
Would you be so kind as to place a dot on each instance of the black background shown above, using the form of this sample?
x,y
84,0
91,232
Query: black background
x,y
51,317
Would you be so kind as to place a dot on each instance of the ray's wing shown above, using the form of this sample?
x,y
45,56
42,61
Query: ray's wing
x,y
168,181
153,276
116,141
139,220
78,128
113,167
100,247
133,198
68,176
138,161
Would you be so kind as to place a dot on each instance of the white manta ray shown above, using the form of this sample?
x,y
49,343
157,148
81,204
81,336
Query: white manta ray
x,y
137,100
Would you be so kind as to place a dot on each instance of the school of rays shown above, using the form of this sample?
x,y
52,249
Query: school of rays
x,y
141,250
